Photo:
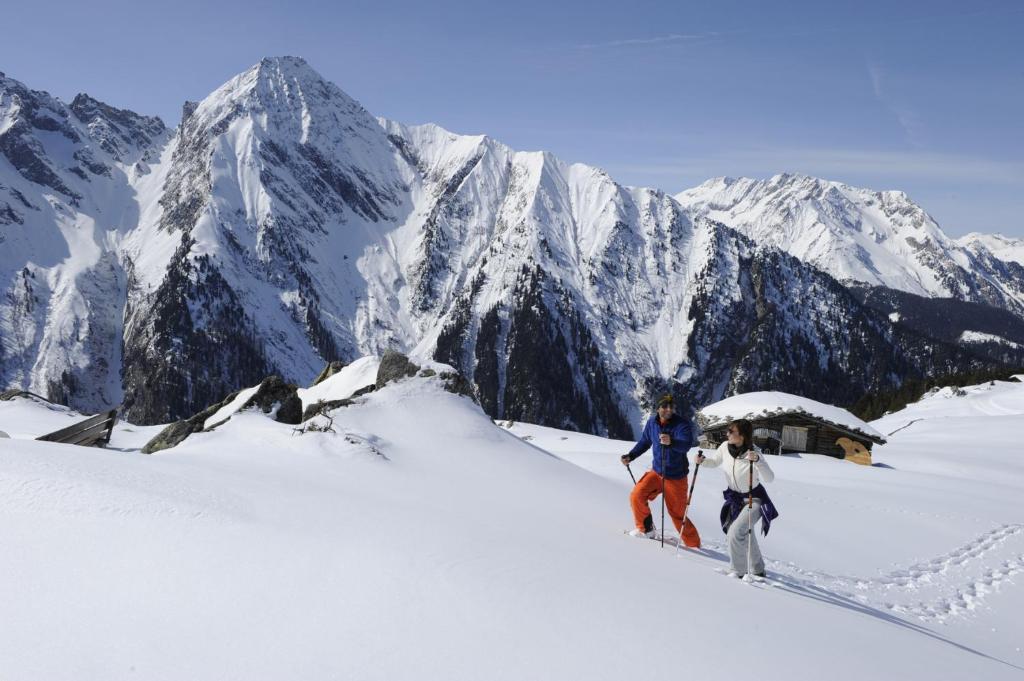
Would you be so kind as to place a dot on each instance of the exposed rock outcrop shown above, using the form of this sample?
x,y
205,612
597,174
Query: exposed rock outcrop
x,y
393,366
274,396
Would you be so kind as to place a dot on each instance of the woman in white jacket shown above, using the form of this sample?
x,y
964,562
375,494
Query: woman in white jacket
x,y
738,456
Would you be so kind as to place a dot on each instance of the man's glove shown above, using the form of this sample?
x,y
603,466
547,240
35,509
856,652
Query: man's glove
x,y
626,458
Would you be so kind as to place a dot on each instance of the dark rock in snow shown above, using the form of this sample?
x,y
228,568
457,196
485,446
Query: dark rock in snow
x,y
175,434
456,383
365,390
393,366
274,393
324,406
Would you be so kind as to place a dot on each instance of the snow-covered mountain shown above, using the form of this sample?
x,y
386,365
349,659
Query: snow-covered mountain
x,y
281,226
880,238
70,179
1003,247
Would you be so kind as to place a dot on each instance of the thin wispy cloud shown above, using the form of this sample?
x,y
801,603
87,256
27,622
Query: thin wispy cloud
x,y
906,117
797,32
875,72
652,40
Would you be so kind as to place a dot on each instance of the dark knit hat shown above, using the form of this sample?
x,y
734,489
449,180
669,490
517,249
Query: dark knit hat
x,y
666,399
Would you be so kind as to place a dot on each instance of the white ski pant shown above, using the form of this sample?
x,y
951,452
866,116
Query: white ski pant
x,y
738,541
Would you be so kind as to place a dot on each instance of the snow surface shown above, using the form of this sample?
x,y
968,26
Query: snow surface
x,y
982,337
758,404
352,377
27,418
420,540
231,408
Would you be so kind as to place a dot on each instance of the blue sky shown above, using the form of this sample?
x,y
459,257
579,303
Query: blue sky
x,y
927,97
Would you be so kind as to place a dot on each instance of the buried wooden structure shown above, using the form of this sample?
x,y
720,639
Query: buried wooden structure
x,y
91,432
798,431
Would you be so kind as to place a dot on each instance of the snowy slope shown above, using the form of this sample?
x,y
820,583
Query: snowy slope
x,y
340,386
982,337
26,418
421,540
879,238
916,537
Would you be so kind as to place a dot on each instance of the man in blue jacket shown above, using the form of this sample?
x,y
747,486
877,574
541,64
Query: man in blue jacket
x,y
671,436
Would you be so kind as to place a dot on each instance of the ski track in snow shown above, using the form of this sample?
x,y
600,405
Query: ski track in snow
x,y
953,585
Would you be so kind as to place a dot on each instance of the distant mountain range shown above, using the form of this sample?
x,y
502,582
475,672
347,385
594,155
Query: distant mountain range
x,y
859,235
281,225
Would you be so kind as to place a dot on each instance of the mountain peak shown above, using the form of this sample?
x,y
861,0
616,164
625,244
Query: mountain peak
x,y
286,69
117,131
286,62
278,86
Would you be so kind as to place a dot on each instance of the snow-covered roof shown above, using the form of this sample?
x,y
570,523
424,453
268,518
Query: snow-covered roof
x,y
758,405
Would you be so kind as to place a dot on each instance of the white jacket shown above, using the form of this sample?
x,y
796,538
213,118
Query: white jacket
x,y
737,471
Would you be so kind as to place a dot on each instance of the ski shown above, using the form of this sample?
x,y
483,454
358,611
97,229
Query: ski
x,y
670,540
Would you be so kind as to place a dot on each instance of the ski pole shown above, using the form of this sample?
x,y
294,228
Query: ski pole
x,y
662,509
750,519
631,474
686,509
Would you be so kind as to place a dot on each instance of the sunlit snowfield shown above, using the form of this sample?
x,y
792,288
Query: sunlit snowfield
x,y
422,541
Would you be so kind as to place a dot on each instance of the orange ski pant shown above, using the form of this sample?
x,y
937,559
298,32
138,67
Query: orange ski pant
x,y
648,488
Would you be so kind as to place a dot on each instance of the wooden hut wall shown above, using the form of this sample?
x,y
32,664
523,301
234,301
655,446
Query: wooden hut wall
x,y
821,436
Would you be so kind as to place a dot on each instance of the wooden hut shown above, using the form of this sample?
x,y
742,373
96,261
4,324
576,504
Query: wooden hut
x,y
790,423
94,431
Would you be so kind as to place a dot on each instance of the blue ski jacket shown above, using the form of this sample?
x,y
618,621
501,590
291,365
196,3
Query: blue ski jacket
x,y
669,462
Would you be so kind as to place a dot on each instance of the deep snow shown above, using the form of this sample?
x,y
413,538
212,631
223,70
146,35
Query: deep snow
x,y
420,540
